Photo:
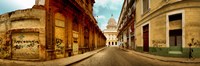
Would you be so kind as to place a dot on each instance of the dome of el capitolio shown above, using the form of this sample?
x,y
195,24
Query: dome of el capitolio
x,y
111,23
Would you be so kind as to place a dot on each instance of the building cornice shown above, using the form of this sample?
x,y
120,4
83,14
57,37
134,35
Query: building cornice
x,y
166,8
119,21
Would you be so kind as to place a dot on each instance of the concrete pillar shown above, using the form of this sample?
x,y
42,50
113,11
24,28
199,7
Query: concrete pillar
x,y
69,33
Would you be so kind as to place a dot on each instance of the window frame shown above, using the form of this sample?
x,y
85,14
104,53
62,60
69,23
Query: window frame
x,y
142,8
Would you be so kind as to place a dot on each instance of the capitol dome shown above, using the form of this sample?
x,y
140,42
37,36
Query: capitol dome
x,y
111,23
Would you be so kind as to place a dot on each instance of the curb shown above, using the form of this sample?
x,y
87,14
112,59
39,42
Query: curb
x,y
142,54
56,62
98,50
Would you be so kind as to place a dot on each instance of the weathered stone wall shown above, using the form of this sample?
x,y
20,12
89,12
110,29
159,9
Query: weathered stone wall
x,y
158,31
157,19
23,31
4,49
192,26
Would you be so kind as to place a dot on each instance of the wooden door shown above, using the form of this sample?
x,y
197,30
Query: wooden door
x,y
175,40
146,38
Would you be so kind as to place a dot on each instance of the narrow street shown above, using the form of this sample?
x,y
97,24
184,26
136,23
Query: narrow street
x,y
113,56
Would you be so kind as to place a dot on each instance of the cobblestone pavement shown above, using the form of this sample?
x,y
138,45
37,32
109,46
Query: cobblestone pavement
x,y
113,56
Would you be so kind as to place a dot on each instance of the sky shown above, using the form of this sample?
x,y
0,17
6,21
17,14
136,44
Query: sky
x,y
102,8
12,5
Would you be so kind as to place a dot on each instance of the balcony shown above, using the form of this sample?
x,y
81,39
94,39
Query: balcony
x,y
124,21
131,10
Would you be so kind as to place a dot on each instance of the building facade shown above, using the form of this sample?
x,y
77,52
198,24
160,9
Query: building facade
x,y
126,37
111,32
167,27
50,30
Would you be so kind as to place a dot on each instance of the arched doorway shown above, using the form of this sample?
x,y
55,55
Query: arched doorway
x,y
86,38
60,35
75,34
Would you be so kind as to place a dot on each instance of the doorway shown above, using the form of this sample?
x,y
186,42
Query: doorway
x,y
175,33
86,39
146,38
60,35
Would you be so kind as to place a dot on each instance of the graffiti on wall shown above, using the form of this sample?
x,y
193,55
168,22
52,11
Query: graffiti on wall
x,y
75,43
195,43
158,43
60,41
59,47
4,49
25,45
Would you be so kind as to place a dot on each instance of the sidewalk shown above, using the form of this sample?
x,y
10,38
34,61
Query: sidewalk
x,y
166,59
56,62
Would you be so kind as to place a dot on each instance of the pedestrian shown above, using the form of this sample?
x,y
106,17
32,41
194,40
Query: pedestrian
x,y
190,51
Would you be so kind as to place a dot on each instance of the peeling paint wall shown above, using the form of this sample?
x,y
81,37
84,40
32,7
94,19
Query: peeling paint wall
x,y
4,48
25,46
192,27
158,18
22,34
60,35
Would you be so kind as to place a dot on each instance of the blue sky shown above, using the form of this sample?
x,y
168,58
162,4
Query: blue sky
x,y
12,5
102,8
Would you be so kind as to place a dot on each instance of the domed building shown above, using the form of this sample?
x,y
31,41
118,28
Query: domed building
x,y
111,32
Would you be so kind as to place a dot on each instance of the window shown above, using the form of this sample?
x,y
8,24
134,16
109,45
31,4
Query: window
x,y
145,6
75,24
176,37
175,17
175,29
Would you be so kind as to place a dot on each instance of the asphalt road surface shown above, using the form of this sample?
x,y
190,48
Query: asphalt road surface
x,y
113,56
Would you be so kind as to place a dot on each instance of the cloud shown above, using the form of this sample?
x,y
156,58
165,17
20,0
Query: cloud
x,y
102,3
110,4
104,8
103,26
101,17
23,3
12,5
113,8
116,20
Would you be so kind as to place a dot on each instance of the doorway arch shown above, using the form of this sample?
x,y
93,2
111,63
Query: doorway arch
x,y
60,35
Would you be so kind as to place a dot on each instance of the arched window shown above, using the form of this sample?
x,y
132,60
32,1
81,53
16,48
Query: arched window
x,y
108,43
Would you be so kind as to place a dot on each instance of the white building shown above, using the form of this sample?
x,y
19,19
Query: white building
x,y
111,33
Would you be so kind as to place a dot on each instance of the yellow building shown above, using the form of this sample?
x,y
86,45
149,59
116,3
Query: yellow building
x,y
111,32
50,30
126,28
167,27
